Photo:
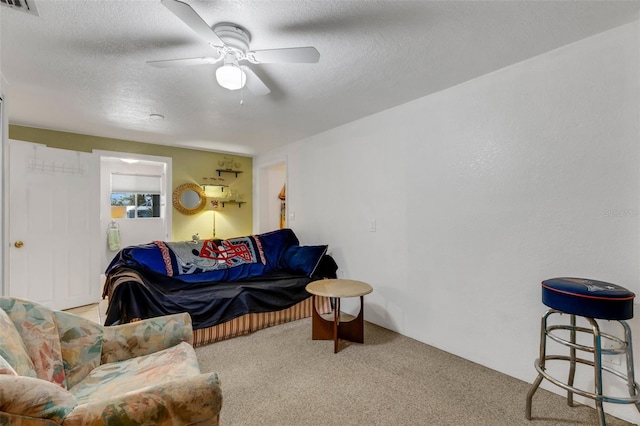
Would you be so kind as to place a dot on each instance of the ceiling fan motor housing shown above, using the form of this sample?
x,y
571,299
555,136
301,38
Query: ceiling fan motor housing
x,y
233,36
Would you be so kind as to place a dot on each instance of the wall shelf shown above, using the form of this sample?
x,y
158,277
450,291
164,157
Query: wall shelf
x,y
219,185
239,203
220,171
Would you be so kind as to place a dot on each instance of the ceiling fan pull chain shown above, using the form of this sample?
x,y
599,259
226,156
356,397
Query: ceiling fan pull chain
x,y
241,91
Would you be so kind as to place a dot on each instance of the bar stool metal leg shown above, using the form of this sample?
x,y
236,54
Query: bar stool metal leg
x,y
633,390
540,362
597,369
533,390
572,361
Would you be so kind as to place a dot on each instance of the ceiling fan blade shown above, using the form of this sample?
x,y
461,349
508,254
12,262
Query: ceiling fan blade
x,y
170,63
292,55
254,83
193,20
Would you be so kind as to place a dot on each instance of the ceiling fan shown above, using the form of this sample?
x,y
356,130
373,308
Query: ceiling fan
x,y
231,44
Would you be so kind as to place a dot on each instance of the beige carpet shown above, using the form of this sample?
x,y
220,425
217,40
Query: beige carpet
x,y
279,376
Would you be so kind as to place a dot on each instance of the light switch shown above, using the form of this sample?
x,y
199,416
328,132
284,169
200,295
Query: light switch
x,y
372,225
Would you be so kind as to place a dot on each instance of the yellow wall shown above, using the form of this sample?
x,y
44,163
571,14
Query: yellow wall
x,y
188,166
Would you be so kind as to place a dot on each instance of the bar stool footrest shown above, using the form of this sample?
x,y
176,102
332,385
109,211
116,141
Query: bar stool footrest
x,y
604,398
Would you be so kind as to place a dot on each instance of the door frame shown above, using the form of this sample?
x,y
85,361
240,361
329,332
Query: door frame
x,y
166,186
261,190
4,203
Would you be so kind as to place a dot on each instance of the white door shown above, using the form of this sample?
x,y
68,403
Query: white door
x,y
53,225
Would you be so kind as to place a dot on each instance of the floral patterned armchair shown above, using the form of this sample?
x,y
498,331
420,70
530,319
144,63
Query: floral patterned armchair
x,y
59,368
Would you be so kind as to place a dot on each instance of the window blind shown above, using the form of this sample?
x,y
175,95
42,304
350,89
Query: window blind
x,y
136,183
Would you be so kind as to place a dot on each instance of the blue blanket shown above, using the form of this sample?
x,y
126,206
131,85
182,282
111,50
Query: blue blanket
x,y
211,260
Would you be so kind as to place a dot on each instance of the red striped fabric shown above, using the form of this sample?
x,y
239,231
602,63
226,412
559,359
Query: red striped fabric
x,y
253,322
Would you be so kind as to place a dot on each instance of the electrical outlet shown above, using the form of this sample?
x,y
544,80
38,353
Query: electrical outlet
x,y
372,225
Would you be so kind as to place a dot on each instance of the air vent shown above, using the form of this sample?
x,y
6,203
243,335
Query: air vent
x,y
28,6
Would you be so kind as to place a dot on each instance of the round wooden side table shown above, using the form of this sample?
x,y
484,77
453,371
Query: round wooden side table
x,y
323,329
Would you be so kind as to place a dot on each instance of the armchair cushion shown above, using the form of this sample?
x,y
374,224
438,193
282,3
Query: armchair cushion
x,y
12,348
37,330
81,345
120,377
196,398
32,397
145,337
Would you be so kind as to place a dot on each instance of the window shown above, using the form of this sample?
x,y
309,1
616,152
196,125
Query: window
x,y
137,204
138,196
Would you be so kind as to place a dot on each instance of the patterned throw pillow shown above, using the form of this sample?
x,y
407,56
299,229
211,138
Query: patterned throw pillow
x,y
37,328
12,348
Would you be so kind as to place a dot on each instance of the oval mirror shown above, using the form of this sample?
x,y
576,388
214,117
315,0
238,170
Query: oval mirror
x,y
189,198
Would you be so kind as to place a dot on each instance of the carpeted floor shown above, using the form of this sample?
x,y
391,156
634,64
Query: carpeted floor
x,y
279,376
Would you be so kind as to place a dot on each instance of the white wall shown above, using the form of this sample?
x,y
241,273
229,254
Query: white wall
x,y
481,191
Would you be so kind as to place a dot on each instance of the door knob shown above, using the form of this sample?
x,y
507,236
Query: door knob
x,y
18,244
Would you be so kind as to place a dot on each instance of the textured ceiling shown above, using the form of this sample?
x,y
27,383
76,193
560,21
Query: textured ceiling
x,y
80,66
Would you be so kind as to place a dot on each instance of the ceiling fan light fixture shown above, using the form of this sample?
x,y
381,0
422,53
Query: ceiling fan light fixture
x,y
231,76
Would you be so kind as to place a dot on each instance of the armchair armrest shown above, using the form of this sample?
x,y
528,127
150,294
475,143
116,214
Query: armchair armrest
x,y
30,397
190,400
145,337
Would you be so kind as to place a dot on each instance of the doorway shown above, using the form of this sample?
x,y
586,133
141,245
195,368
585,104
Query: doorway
x,y
139,186
271,208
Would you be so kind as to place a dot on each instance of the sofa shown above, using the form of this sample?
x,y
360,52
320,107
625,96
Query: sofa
x,y
59,368
229,287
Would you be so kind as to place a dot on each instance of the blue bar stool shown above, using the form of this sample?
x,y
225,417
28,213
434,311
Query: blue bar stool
x,y
592,300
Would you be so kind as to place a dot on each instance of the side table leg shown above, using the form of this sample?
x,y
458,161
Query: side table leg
x,y
321,329
353,330
336,321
